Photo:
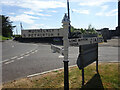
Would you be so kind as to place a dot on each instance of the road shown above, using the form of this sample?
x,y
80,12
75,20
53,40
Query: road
x,y
23,59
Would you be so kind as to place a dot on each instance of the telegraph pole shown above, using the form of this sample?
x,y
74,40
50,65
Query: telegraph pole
x,y
21,26
68,9
118,27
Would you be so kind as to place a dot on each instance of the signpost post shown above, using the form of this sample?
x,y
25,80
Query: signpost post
x,y
87,55
65,25
88,49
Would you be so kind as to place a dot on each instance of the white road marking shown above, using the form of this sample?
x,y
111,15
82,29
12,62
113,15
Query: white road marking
x,y
47,72
14,57
27,55
27,52
36,50
60,56
5,60
19,58
22,54
13,46
9,62
32,52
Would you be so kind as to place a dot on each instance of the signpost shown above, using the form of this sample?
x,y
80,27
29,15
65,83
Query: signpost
x,y
65,25
88,51
87,55
84,41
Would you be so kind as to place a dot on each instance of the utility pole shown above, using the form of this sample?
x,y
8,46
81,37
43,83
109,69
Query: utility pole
x,y
118,27
21,26
118,13
68,9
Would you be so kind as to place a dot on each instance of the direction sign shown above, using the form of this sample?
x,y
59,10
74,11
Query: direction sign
x,y
84,41
88,54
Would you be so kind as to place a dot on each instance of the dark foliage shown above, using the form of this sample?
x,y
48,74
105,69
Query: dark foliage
x,y
6,26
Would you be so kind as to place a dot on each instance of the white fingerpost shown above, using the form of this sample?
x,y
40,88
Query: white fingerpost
x,y
65,25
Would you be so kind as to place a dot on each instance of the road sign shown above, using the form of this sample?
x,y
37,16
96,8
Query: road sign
x,y
88,54
84,41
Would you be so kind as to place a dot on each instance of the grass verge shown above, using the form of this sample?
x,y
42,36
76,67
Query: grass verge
x,y
107,78
4,38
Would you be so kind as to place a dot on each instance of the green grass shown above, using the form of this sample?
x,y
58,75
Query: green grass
x,y
4,38
107,78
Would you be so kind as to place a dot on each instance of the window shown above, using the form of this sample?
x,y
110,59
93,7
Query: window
x,y
29,35
52,30
24,35
51,34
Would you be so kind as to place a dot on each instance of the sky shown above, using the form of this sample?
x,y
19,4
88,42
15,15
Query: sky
x,y
36,14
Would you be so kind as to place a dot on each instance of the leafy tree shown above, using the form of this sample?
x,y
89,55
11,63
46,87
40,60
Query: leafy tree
x,y
72,29
91,29
83,31
6,26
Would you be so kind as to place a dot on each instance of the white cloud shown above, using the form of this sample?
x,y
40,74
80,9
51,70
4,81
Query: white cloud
x,y
54,11
34,4
94,2
103,9
12,13
36,13
113,12
36,26
81,11
24,18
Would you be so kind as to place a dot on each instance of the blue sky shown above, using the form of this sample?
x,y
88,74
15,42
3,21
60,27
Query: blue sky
x,y
36,14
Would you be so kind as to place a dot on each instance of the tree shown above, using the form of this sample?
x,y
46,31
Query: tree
x,y
91,29
6,26
83,31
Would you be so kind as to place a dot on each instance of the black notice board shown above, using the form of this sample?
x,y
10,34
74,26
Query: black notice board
x,y
88,54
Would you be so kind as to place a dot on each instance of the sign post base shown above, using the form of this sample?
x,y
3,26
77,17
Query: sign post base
x,y
66,76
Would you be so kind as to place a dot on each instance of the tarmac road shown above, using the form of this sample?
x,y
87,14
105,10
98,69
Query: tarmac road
x,y
29,59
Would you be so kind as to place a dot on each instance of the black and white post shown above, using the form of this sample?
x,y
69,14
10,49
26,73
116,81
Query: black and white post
x,y
65,25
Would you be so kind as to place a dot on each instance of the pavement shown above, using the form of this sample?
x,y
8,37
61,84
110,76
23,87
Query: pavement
x,y
111,42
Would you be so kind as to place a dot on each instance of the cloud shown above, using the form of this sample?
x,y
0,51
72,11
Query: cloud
x,y
24,18
12,13
54,11
103,9
36,13
36,26
34,4
95,2
81,11
113,12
